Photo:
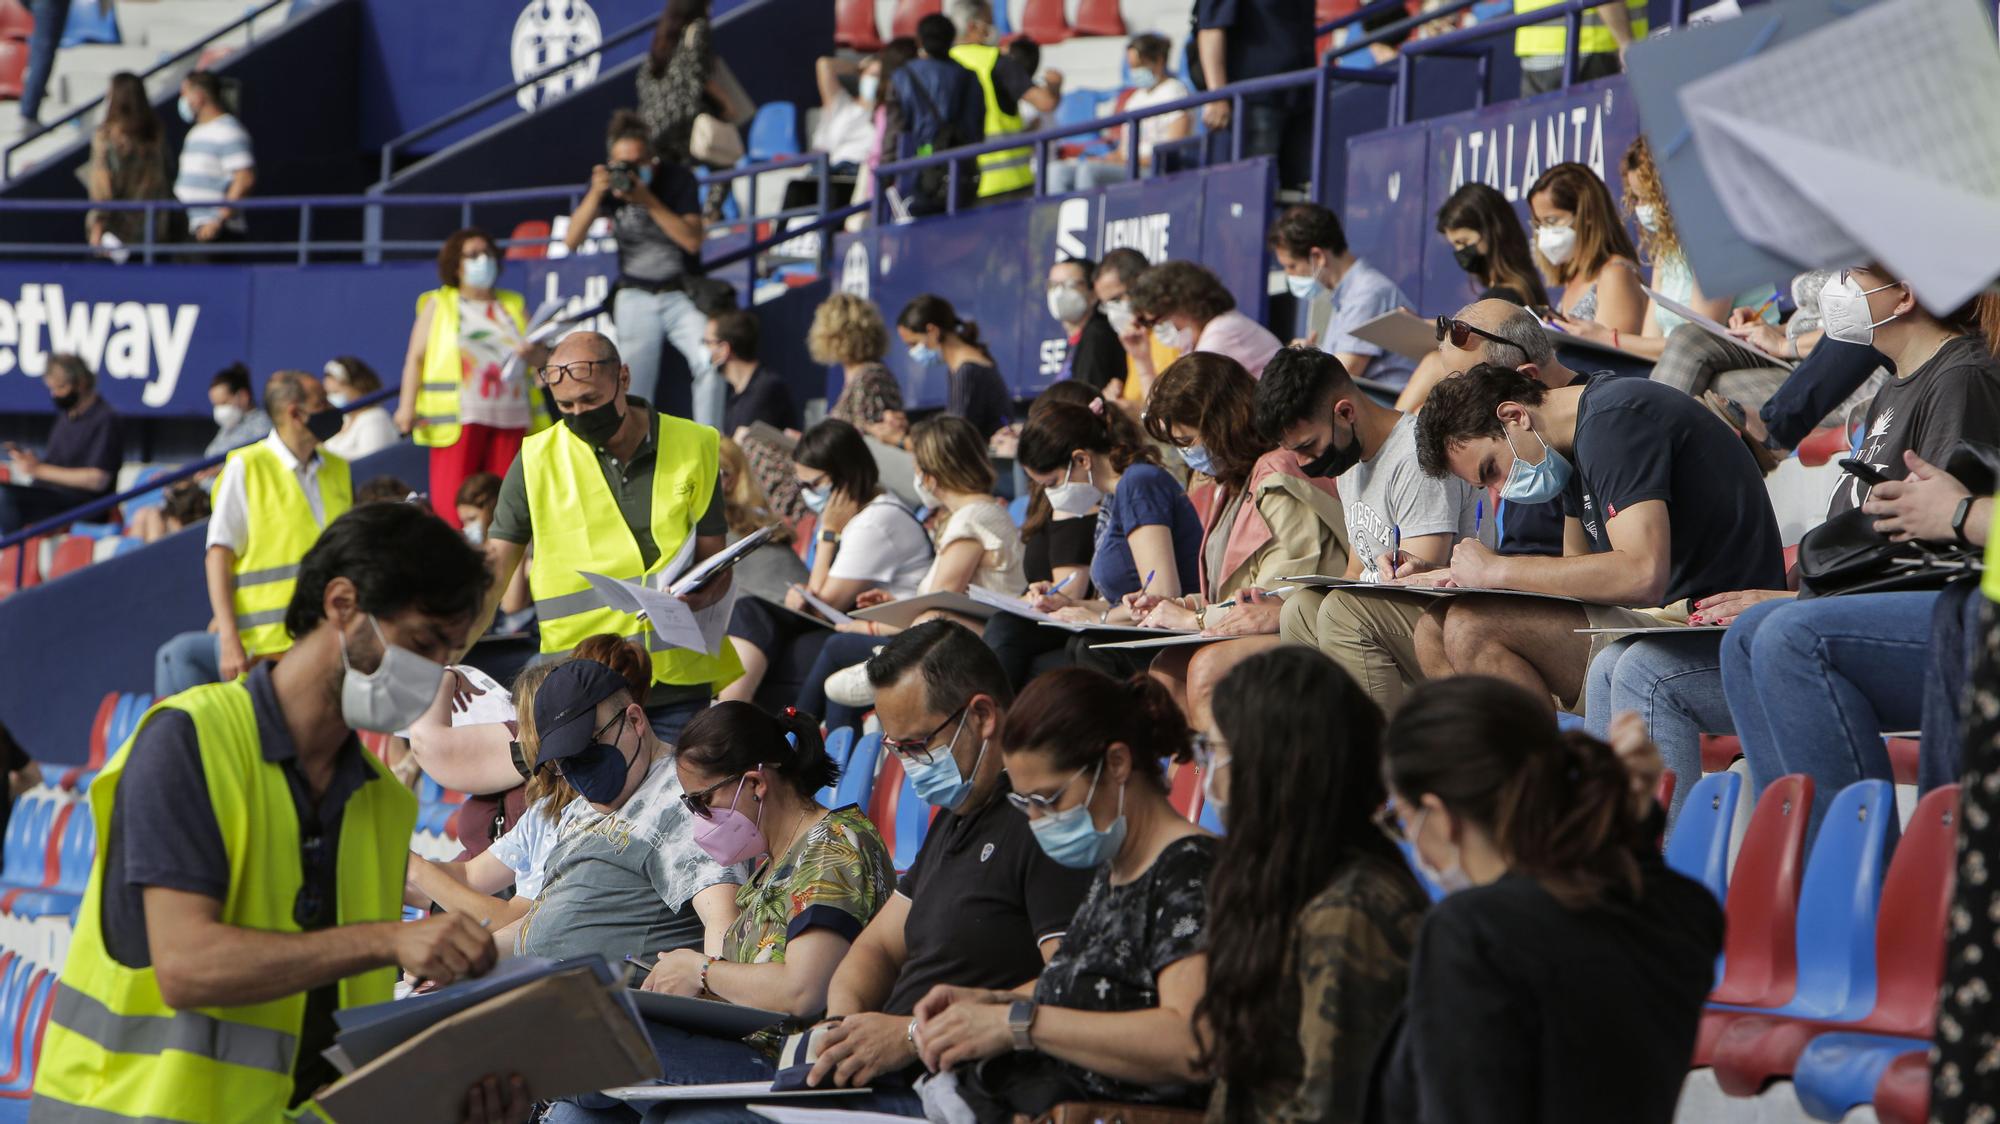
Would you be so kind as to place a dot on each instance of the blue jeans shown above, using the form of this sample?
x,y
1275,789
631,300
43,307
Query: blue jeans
x,y
669,719
646,323
188,660
842,649
1955,636
50,16
894,1101
1813,684
685,1059
1675,684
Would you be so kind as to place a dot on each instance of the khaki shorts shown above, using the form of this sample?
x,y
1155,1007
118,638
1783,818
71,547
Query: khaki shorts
x,y
1614,616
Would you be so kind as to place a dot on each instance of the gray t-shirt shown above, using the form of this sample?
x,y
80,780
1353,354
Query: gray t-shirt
x,y
1389,492
617,884
645,253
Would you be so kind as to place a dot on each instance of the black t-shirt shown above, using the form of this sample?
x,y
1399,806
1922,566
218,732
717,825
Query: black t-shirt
x,y
1011,80
765,398
93,438
1119,942
983,897
979,395
1264,36
1098,356
1060,542
1956,393
1639,440
1524,1011
1537,528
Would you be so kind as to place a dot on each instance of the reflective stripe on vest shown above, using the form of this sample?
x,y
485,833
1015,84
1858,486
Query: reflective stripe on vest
x,y
113,1050
577,526
444,369
1010,169
280,530
1548,38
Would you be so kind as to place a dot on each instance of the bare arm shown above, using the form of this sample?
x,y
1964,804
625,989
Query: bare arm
x,y
1621,300
239,187
1212,44
413,368
956,565
797,987
1633,572
1153,553
586,211
1153,1045
1618,21
476,759
88,479
828,71
865,978
467,888
219,567
716,906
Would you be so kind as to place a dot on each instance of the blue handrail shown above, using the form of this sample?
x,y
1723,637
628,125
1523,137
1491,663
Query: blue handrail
x,y
1389,33
248,18
1571,12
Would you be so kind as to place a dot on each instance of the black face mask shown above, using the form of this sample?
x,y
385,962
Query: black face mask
x,y
599,772
596,426
323,424
1336,460
65,402
1470,258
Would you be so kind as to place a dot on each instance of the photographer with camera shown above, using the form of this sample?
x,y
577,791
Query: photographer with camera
x,y
655,212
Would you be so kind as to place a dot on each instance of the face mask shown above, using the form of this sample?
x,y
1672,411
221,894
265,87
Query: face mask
x,y
728,836
480,272
475,532
1119,313
1074,497
229,413
939,782
870,86
1208,793
338,399
708,357
1072,839
1843,310
1302,288
392,696
599,772
597,425
1648,215
816,498
1470,258
186,110
1169,336
65,402
1451,879
925,496
1536,483
1197,459
1557,243
1336,460
1068,305
1143,77
323,424
923,354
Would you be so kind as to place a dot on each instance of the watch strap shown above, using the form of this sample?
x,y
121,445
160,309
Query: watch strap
x,y
829,536
1021,1021
1959,517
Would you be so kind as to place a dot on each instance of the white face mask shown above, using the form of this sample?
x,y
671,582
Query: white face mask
x,y
475,532
1119,313
1074,497
1556,243
480,272
1169,336
394,695
1068,305
1843,310
871,85
924,495
338,399
228,414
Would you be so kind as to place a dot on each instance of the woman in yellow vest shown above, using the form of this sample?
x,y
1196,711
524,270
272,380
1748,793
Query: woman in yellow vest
x,y
1606,31
468,394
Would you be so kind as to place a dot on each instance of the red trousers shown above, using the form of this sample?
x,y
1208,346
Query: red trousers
x,y
480,448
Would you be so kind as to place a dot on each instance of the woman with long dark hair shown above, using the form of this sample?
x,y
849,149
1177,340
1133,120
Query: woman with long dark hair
x,y
1487,242
127,162
1313,912
934,333
1562,977
677,81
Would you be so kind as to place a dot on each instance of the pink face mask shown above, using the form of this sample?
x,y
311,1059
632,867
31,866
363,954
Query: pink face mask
x,y
727,835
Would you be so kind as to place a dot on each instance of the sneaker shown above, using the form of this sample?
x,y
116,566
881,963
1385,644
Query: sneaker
x,y
850,687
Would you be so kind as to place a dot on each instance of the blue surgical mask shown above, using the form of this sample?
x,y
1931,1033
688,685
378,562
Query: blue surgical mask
x,y
923,354
1302,288
938,781
1197,459
186,111
1536,483
1143,77
816,498
1072,839
480,272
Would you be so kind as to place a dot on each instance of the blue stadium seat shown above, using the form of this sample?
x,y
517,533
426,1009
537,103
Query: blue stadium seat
x,y
91,21
857,783
1839,1071
774,132
75,852
1017,508
93,530
839,744
1211,816
1699,845
154,498
26,865
18,1079
913,823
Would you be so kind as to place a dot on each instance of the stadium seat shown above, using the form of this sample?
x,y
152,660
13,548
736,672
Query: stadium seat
x,y
913,824
1909,959
1184,788
839,744
1669,782
30,816
886,799
91,21
1822,445
1017,509
1096,17
1903,1095
1211,817
531,240
854,25
1044,22
72,553
1903,759
903,23
1698,846
100,730
74,852
13,72
773,133
20,566
857,782
1718,750
1836,1072
25,1036
16,21
48,841
1762,904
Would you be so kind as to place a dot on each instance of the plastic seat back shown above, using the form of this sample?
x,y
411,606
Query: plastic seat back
x,y
531,240
1184,788
854,25
91,21
1045,22
13,1003
1097,17
1916,899
913,824
857,781
774,132
887,798
903,23
1837,903
1762,905
1698,847
16,21
1903,1096
839,746
20,839
79,852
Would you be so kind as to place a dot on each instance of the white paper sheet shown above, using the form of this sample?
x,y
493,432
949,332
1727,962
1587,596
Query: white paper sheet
x,y
541,326
833,615
1875,137
722,1091
785,1115
1712,327
675,622
1401,331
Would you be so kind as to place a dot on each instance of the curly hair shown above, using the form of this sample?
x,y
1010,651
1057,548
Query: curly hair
x,y
745,507
1642,175
452,254
1179,287
1296,385
1214,396
1465,407
847,330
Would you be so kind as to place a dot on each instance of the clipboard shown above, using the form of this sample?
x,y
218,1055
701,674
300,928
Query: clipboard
x,y
1712,327
1176,640
1655,630
904,611
723,1091
703,1016
1401,331
1350,585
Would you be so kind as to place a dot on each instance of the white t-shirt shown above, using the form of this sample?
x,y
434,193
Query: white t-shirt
x,y
526,846
884,545
368,431
988,524
1153,130
229,519
845,132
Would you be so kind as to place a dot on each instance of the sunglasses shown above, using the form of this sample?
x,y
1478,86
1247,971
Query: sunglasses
x,y
1460,333
697,802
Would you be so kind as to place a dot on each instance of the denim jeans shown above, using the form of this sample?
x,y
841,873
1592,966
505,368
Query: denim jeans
x,y
646,323
50,16
842,649
1675,684
188,660
685,1059
1813,684
1955,631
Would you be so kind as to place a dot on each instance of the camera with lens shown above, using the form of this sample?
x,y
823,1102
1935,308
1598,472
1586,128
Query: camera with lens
x,y
624,176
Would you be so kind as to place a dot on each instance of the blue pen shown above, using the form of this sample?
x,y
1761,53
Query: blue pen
x,y
1148,583
1058,587
1395,545
1478,515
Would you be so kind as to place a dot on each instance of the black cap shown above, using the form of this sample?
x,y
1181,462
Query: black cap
x,y
566,707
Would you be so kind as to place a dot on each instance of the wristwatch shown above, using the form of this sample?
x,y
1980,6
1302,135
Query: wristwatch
x,y
830,537
1958,518
1020,1019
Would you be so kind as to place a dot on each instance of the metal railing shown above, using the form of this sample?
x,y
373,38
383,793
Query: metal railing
x,y
245,21
1456,44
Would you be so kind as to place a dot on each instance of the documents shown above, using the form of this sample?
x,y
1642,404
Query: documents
x,y
703,1016
904,611
1712,327
1318,581
722,1091
675,622
1401,331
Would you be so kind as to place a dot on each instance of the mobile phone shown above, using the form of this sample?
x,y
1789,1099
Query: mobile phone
x,y
1867,473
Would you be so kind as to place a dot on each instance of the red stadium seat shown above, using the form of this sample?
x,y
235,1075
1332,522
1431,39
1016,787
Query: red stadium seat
x,y
1184,789
1044,22
1822,446
100,729
24,560
1904,1094
1099,17
1718,751
1760,960
887,798
903,24
535,232
1903,759
16,21
72,553
854,25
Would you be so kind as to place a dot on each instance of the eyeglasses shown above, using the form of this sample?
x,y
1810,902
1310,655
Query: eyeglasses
x,y
1210,751
815,484
562,765
555,373
1461,333
697,802
1035,805
919,749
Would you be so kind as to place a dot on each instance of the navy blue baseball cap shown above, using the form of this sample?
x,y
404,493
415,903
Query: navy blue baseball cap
x,y
566,707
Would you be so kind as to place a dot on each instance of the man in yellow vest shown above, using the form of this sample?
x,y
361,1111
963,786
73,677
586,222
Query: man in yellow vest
x,y
1005,84
618,489
1600,49
249,877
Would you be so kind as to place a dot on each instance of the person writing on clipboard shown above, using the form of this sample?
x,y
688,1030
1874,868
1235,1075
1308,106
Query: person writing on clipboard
x,y
250,880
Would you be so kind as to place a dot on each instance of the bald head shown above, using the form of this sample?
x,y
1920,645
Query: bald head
x,y
593,373
1527,345
584,345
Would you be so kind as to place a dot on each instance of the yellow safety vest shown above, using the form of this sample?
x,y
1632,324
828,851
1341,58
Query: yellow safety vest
x,y
444,370
1548,38
1014,168
578,526
281,530
114,1050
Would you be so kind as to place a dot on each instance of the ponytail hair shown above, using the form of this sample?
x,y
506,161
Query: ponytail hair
x,y
736,737
1557,804
1073,714
1055,434
932,311
1075,392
